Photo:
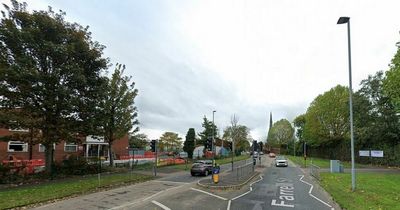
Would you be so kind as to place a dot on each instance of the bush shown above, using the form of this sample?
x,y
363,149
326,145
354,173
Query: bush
x,y
76,165
7,175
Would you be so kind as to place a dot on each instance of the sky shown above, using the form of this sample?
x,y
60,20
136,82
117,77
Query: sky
x,y
244,57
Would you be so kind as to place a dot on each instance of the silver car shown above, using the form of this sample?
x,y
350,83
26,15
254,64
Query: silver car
x,y
281,161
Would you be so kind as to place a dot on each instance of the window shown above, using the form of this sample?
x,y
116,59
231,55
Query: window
x,y
70,147
17,146
42,148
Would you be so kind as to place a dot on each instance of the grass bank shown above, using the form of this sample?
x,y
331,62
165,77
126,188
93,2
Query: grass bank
x,y
26,195
373,191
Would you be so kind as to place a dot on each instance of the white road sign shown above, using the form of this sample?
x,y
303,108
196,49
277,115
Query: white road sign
x,y
376,153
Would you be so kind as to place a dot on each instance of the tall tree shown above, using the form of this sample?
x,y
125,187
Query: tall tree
x,y
138,140
327,118
383,122
392,80
210,129
299,123
118,110
51,69
170,141
280,133
188,145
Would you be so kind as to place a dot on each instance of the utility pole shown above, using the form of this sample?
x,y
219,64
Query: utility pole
x,y
213,139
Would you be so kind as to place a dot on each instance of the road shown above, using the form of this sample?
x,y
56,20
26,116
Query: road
x,y
275,188
283,188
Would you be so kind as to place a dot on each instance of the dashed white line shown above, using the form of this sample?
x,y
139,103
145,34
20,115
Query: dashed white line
x,y
205,192
310,192
161,205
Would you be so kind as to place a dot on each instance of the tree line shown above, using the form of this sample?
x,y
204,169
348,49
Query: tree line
x,y
376,106
53,82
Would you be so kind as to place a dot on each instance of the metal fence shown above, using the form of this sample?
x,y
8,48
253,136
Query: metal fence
x,y
314,171
243,171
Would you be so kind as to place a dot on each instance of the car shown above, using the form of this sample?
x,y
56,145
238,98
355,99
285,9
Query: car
x,y
261,153
201,167
272,155
281,161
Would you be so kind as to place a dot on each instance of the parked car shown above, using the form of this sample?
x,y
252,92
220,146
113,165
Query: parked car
x,y
261,153
272,155
201,167
281,161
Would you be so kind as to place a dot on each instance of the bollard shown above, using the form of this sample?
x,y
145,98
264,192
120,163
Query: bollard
x,y
215,174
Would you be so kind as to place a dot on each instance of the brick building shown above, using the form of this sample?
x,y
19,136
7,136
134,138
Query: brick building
x,y
89,147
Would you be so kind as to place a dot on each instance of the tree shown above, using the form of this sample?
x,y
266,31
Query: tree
x,y
238,134
391,83
188,145
210,129
170,141
50,69
280,133
139,140
118,110
327,118
380,120
299,123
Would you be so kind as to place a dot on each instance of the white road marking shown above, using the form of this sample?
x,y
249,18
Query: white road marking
x,y
229,205
161,192
143,200
205,192
172,182
251,189
160,205
310,192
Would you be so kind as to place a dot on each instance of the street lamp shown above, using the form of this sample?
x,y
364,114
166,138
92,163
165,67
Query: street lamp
x,y
213,143
343,20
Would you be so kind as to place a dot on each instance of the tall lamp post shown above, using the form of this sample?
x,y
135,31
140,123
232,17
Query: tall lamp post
x,y
213,143
343,20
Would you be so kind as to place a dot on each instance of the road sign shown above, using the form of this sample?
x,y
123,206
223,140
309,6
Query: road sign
x,y
364,153
376,153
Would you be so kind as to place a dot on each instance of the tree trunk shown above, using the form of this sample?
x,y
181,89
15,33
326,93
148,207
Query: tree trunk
x,y
30,151
49,152
111,155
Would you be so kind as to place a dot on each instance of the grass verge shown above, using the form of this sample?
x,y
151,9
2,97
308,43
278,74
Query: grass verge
x,y
26,195
373,191
322,163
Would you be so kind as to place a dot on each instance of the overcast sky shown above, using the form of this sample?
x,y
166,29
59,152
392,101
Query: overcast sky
x,y
243,57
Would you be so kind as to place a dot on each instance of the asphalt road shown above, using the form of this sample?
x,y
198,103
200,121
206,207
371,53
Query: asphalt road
x,y
283,188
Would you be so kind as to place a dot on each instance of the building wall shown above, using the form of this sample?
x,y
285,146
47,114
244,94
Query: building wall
x,y
119,147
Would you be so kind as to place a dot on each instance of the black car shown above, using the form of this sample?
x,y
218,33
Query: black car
x,y
201,167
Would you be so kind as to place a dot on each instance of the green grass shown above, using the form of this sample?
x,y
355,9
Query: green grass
x,y
373,191
322,163
22,196
229,159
